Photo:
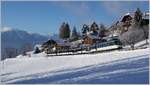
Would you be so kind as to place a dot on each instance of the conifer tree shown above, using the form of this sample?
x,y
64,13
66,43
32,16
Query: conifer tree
x,y
64,31
74,35
85,29
94,28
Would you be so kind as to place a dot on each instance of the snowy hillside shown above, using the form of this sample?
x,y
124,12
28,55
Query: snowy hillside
x,y
112,67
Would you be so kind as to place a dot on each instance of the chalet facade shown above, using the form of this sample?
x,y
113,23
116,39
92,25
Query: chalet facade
x,y
126,21
62,45
90,40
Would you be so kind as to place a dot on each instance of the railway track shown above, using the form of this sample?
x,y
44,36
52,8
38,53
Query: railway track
x,y
81,53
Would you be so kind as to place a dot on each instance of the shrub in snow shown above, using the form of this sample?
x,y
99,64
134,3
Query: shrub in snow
x,y
37,50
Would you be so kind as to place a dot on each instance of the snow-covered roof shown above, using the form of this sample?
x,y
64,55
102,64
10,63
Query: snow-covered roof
x,y
38,45
127,14
64,43
76,42
146,13
93,36
113,35
110,37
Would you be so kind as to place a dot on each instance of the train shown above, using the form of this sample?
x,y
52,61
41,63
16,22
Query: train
x,y
104,46
108,45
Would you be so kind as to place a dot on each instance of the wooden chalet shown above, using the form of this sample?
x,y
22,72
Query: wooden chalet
x,y
52,46
61,46
48,45
126,20
90,40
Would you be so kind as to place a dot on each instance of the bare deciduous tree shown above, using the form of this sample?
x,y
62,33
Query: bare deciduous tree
x,y
26,47
131,37
102,30
11,52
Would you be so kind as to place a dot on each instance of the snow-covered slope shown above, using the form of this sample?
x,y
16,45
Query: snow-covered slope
x,y
139,45
112,67
142,44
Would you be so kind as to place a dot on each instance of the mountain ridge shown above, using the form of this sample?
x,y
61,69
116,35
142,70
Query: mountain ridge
x,y
17,39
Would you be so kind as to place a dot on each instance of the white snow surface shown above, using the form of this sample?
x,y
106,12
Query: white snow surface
x,y
24,67
139,44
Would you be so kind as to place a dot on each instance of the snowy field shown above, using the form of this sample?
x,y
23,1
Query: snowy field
x,y
111,68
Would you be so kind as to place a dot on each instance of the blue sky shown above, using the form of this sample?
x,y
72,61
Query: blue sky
x,y
45,17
